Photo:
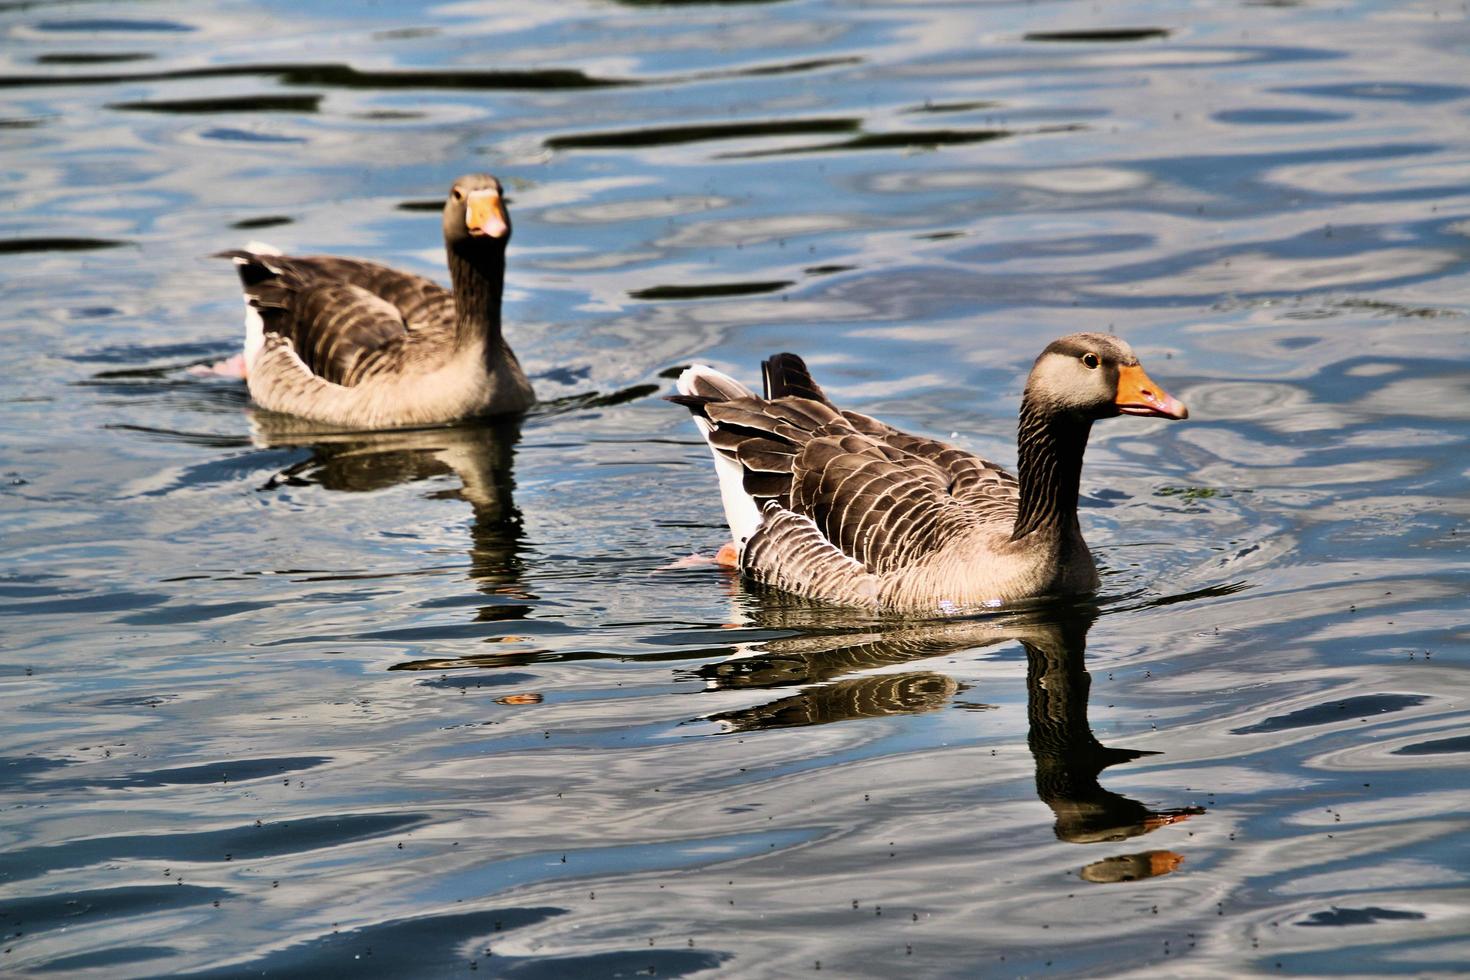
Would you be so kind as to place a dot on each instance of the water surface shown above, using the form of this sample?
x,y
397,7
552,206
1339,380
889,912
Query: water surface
x,y
280,701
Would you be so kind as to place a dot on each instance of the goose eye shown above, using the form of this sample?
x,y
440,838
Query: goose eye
x,y
1090,360
457,194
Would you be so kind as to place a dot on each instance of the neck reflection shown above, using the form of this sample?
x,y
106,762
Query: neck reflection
x,y
813,672
477,455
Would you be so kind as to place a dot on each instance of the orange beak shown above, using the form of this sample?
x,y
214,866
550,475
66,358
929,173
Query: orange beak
x,y
484,215
1138,395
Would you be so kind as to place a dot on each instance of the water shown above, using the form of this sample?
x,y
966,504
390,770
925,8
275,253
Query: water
x,y
428,702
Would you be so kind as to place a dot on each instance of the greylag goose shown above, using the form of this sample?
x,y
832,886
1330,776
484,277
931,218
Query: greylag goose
x,y
839,507
359,345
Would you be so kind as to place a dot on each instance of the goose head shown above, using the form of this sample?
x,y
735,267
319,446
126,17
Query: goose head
x,y
1090,376
475,218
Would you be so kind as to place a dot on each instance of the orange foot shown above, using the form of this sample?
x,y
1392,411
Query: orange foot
x,y
726,557
230,367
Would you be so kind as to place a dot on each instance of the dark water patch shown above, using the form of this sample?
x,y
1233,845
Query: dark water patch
x,y
925,139
343,76
103,958
525,658
955,106
1191,494
469,682
247,842
390,115
226,103
647,963
230,134
784,68
114,24
132,354
622,396
431,945
11,246
265,221
211,440
1131,602
92,313
21,770
565,374
184,613
678,135
81,909
92,58
1357,917
709,290
29,585
826,270
236,771
592,399
1111,36
1383,92
1278,117
1442,746
484,661
137,700
30,122
486,626
1388,308
85,605
1335,711
406,33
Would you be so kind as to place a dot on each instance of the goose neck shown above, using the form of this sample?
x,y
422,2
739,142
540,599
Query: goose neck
x,y
1050,445
479,280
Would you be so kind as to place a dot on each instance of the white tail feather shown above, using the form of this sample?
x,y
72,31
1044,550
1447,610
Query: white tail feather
x,y
254,334
254,325
741,512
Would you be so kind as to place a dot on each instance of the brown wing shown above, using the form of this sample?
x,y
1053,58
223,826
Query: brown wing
x,y
875,503
884,507
984,486
341,316
972,479
879,499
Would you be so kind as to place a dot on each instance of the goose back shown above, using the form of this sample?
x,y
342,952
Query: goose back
x,y
851,510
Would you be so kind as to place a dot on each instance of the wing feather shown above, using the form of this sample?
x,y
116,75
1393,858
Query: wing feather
x,y
341,316
844,499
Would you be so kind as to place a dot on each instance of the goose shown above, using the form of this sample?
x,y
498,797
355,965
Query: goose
x,y
838,507
363,346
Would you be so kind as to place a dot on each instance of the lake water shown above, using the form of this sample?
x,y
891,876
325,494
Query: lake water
x,y
431,702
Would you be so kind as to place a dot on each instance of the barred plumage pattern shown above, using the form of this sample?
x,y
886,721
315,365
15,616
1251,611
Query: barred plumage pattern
x,y
360,345
856,512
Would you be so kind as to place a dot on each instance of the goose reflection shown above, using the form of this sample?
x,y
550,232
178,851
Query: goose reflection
x,y
1069,758
478,454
